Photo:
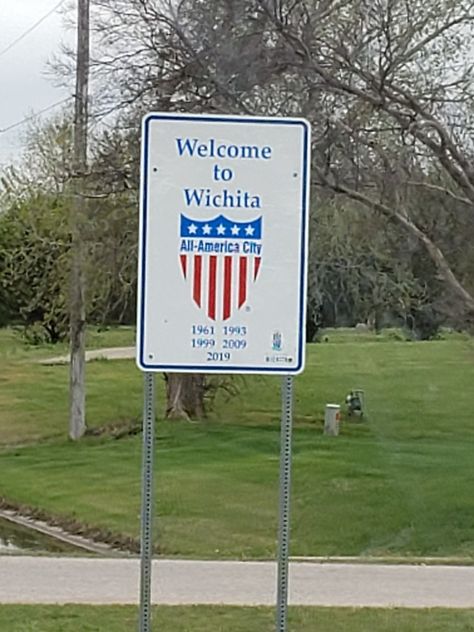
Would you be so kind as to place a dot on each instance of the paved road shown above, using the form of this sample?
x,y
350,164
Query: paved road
x,y
115,581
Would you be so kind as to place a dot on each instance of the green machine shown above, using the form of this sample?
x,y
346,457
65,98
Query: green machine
x,y
355,402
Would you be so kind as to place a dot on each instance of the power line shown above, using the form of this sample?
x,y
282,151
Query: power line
x,y
31,28
33,116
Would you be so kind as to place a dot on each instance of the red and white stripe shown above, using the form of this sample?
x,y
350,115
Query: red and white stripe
x,y
219,285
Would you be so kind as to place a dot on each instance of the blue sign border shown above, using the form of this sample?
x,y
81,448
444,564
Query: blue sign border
x,y
181,368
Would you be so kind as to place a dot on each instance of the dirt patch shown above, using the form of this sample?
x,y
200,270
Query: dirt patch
x,y
116,430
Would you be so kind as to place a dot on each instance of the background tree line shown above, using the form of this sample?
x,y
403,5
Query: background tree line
x,y
359,271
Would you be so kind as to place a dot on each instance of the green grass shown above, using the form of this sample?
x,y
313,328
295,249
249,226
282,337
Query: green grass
x,y
226,619
399,484
34,398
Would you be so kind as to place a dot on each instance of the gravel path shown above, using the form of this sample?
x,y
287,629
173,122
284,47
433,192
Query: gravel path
x,y
113,353
46,580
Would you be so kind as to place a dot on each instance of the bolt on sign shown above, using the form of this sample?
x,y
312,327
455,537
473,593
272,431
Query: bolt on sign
x,y
223,244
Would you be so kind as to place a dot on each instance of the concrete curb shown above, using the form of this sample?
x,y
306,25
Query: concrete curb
x,y
57,533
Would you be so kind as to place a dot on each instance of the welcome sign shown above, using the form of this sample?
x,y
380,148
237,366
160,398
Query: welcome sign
x,y
223,244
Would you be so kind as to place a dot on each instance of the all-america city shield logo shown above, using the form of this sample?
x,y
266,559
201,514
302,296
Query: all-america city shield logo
x,y
220,260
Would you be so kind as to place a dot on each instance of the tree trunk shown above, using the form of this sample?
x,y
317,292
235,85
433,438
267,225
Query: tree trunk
x,y
185,395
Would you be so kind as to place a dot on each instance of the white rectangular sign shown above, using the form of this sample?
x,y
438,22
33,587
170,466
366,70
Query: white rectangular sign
x,y
223,244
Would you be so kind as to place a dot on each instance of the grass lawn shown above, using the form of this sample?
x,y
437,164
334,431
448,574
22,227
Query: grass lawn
x,y
34,398
225,619
399,484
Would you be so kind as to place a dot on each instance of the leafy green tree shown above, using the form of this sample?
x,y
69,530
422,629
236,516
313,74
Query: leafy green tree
x,y
35,232
358,274
34,263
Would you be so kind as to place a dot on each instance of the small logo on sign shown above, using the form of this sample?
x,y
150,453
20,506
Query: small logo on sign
x,y
277,341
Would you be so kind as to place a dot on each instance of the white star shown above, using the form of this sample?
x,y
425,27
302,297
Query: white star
x,y
206,229
249,230
235,230
221,230
192,228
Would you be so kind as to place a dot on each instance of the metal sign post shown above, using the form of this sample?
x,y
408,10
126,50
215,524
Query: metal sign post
x,y
223,242
284,509
147,502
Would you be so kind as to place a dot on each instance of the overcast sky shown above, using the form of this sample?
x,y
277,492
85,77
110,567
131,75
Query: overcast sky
x,y
24,86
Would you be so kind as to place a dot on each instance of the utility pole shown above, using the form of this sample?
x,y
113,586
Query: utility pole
x,y
77,386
